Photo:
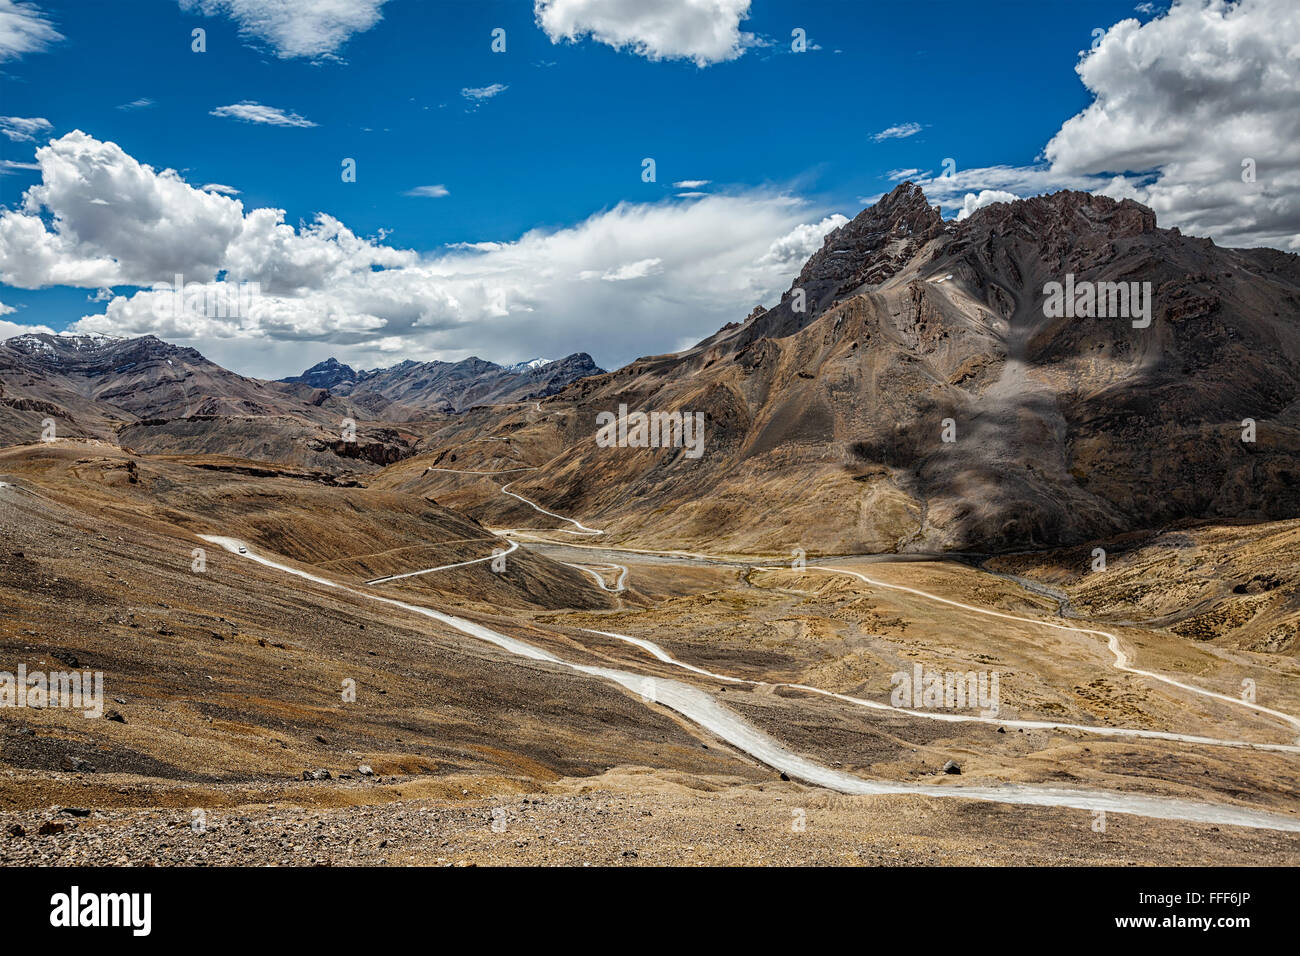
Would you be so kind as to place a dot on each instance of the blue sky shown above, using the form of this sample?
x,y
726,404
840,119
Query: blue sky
x,y
552,142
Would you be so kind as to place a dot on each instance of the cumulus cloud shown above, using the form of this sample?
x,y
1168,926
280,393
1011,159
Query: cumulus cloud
x,y
24,129
99,218
901,131
115,221
9,329
430,192
796,246
689,265
1194,114
702,31
24,29
295,28
251,112
1182,102
986,197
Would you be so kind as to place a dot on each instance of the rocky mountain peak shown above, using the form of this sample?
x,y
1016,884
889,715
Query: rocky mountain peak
x,y
868,250
327,374
94,353
878,242
1068,215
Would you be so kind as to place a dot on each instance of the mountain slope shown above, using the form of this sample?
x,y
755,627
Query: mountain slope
x,y
825,427
159,398
92,384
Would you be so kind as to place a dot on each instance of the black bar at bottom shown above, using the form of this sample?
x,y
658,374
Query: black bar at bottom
x,y
384,906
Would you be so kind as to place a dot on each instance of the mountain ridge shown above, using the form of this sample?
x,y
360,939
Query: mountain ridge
x,y
1066,429
411,387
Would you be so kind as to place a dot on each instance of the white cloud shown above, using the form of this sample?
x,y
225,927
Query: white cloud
x,y
1022,180
795,247
629,270
114,222
695,267
7,166
9,329
142,103
219,188
898,175
24,129
479,93
901,131
691,183
251,112
24,29
703,31
6,309
1179,104
429,192
1190,95
295,28
986,197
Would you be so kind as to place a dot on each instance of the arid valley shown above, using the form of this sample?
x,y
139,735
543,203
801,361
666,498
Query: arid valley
x,y
637,435
459,638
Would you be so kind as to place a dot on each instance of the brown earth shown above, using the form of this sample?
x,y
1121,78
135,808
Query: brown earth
x,y
228,682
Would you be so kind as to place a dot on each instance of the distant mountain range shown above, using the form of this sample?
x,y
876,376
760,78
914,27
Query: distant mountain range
x,y
397,392
156,397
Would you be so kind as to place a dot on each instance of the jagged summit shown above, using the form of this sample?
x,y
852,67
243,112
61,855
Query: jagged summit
x,y
865,251
330,373
63,341
95,353
870,248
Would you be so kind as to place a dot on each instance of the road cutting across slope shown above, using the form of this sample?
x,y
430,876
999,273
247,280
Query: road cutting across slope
x,y
1121,662
582,528
656,651
514,546
701,709
1112,642
599,578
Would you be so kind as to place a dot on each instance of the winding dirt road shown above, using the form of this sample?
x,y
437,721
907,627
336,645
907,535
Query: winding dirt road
x,y
703,710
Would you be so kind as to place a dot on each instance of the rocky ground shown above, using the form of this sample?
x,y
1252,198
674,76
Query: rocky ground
x,y
630,817
1231,584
